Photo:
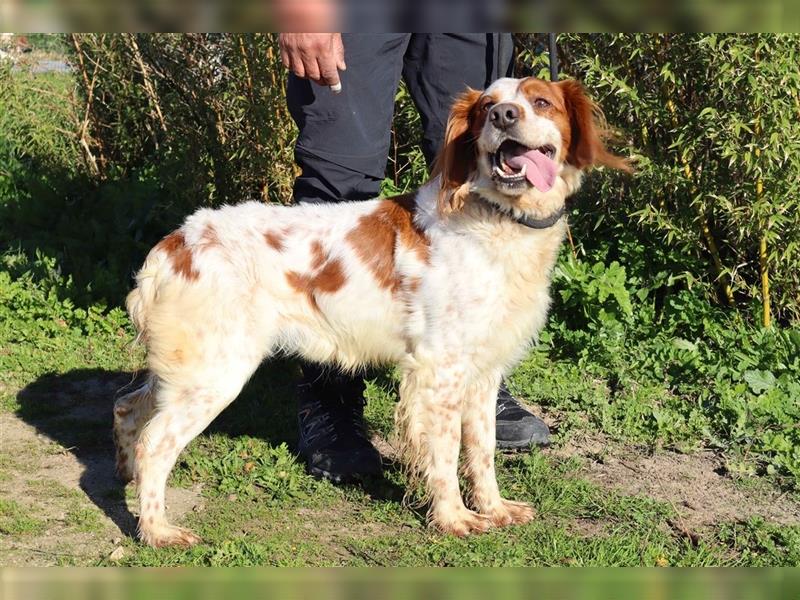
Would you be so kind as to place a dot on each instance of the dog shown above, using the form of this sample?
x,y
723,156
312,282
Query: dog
x,y
451,283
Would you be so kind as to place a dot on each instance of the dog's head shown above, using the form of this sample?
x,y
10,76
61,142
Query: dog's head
x,y
513,141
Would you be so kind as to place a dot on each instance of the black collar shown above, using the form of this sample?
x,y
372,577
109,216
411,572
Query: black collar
x,y
529,221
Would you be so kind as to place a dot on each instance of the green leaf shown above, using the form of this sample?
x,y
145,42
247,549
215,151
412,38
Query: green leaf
x,y
759,381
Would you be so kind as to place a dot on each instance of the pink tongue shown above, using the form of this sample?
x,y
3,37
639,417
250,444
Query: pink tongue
x,y
541,171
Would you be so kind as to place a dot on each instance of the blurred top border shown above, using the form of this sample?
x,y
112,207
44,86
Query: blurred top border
x,y
398,15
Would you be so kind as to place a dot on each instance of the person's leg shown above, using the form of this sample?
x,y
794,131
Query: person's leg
x,y
440,66
344,138
342,149
332,436
437,68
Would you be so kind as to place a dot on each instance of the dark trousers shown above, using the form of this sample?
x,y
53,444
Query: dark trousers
x,y
343,144
344,138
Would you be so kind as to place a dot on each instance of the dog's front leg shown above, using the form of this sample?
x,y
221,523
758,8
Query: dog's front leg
x,y
429,424
478,440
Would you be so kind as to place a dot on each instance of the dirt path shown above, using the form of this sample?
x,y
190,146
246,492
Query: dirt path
x,y
61,499
694,484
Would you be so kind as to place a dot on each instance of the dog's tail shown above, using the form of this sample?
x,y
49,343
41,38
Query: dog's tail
x,y
140,301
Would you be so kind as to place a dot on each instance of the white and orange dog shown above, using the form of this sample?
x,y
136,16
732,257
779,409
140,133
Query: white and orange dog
x,y
451,283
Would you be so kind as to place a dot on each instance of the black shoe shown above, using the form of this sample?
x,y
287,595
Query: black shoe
x,y
333,438
516,427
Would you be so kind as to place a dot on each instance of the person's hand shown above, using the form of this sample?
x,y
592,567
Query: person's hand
x,y
315,56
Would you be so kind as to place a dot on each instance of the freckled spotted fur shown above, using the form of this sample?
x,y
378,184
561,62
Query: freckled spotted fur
x,y
441,282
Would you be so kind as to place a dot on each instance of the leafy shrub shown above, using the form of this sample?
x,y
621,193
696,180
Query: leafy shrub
x,y
670,370
713,122
207,111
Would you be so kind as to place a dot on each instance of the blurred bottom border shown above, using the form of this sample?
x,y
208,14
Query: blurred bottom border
x,y
400,584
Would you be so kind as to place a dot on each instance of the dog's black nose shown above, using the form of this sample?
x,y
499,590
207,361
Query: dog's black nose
x,y
504,115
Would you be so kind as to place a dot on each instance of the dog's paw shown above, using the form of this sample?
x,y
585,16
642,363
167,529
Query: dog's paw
x,y
462,523
161,536
509,512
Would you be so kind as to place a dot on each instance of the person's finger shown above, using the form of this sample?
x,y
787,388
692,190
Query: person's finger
x,y
296,66
290,55
285,59
310,67
282,49
329,75
338,50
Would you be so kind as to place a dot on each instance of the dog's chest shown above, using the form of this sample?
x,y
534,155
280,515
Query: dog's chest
x,y
492,297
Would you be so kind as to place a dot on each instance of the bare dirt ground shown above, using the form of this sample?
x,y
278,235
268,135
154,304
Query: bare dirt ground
x,y
80,510
694,484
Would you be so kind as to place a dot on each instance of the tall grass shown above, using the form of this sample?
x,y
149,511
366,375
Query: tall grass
x,y
206,111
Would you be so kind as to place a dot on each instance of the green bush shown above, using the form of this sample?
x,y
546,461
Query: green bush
x,y
206,111
97,164
669,373
713,121
96,232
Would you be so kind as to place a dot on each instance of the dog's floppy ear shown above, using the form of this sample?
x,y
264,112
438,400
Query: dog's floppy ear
x,y
457,159
588,131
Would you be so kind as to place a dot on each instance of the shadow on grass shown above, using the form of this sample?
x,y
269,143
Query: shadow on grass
x,y
75,410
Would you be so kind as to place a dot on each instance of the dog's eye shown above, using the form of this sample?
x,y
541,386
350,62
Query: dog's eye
x,y
541,103
487,105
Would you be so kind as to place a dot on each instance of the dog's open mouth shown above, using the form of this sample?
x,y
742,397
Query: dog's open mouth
x,y
513,164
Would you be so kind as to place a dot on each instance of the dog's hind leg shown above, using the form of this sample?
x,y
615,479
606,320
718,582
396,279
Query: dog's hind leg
x,y
131,412
186,403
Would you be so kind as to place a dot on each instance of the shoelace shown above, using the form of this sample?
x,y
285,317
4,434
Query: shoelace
x,y
506,401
